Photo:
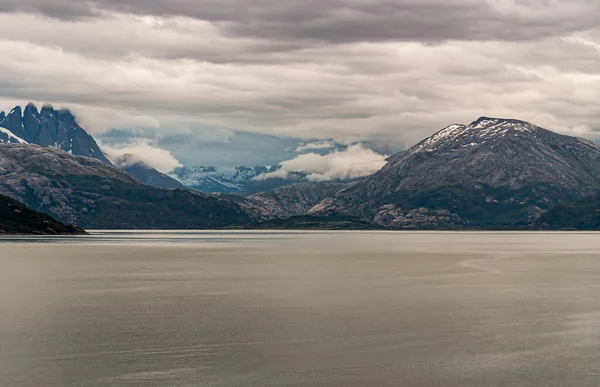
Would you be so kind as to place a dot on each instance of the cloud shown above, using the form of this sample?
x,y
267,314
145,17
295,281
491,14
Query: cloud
x,y
315,145
382,72
354,162
343,21
141,151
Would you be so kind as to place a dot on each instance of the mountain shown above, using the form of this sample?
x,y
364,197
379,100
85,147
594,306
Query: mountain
x,y
233,180
96,195
581,215
16,218
146,174
51,128
492,173
294,200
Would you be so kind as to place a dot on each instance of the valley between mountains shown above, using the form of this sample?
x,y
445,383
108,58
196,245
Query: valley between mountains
x,y
493,173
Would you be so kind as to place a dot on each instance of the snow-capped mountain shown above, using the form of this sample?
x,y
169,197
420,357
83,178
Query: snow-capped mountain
x,y
50,128
490,173
214,180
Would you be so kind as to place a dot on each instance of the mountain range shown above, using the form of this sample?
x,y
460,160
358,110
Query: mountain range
x,y
49,127
239,180
490,174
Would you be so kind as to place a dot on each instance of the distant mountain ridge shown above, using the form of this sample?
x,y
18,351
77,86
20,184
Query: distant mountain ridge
x,y
226,180
492,173
51,128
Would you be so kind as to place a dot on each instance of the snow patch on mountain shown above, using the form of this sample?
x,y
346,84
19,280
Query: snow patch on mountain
x,y
220,180
7,136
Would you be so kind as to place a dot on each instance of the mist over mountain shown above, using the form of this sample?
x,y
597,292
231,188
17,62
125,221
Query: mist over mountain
x,y
146,174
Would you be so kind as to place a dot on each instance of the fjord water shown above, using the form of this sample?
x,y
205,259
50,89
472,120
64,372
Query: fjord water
x,y
300,309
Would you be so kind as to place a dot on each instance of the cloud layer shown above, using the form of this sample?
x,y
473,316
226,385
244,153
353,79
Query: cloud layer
x,y
354,162
385,71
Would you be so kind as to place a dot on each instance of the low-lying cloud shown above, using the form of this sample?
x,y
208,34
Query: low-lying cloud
x,y
141,151
354,162
315,145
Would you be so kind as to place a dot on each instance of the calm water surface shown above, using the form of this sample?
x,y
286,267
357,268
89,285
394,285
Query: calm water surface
x,y
301,309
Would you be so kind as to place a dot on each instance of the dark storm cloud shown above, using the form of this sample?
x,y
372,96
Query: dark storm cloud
x,y
344,21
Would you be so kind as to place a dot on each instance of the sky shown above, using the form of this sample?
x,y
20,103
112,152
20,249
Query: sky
x,y
249,81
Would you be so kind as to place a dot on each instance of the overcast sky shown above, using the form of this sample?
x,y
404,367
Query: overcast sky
x,y
386,71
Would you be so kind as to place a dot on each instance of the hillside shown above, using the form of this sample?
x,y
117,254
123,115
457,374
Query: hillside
x,y
96,195
16,218
493,173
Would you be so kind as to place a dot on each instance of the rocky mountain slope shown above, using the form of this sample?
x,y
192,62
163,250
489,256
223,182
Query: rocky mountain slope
x,y
96,195
146,174
16,218
51,128
293,200
492,173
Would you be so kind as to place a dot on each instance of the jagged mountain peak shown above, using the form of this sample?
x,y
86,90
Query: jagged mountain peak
x,y
17,111
51,128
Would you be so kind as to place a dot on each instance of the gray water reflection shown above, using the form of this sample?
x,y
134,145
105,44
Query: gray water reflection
x,y
300,309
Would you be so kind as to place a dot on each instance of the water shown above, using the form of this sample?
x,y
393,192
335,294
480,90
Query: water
x,y
300,309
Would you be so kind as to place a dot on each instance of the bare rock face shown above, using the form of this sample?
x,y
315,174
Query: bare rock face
x,y
493,173
51,128
96,195
419,218
293,200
